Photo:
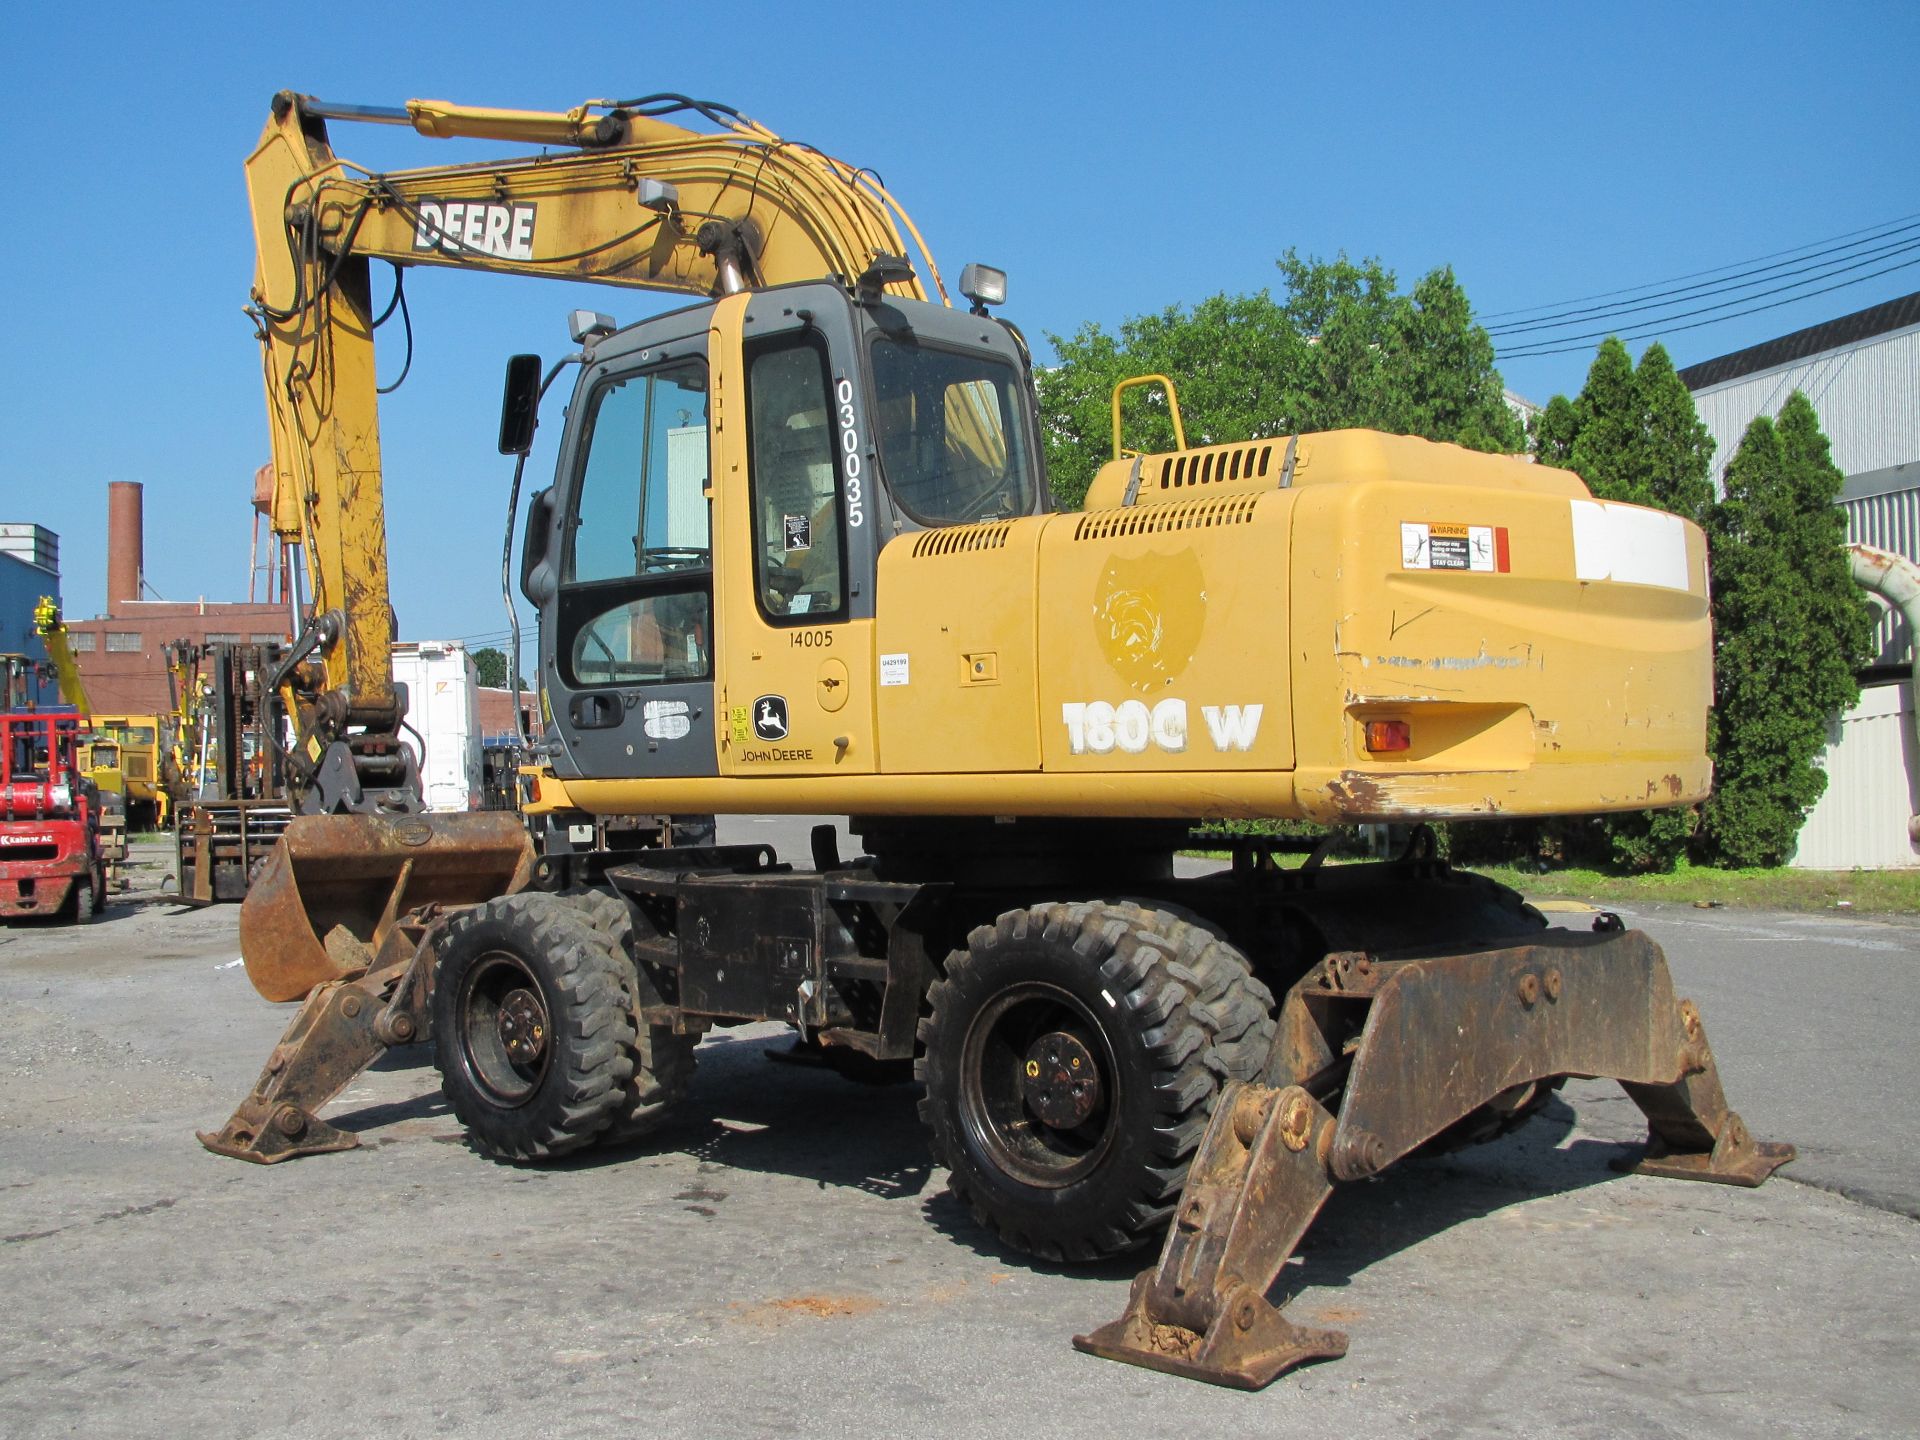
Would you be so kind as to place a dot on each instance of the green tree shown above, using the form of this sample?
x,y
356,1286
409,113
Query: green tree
x,y
1633,435
1790,630
1677,448
491,666
1342,347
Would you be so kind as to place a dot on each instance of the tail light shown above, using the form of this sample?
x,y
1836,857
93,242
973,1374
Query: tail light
x,y
1385,736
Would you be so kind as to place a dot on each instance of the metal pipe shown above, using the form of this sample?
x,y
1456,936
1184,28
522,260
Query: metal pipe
x,y
1896,580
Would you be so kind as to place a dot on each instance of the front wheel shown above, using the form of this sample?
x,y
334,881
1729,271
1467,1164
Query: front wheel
x,y
532,1032
1072,1056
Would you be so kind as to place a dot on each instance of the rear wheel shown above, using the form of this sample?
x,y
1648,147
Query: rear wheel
x,y
1072,1056
531,1028
84,900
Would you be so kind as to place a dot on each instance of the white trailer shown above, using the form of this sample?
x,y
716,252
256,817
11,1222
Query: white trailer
x,y
442,721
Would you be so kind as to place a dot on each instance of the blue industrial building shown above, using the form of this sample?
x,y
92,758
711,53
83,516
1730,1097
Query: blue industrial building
x,y
29,568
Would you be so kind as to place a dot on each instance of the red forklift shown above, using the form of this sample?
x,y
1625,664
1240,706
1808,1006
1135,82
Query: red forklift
x,y
50,854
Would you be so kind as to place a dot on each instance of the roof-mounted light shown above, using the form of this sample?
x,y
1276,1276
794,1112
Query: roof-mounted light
x,y
984,286
585,325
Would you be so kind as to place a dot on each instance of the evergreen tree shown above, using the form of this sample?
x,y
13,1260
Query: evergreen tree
x,y
1678,451
1632,434
1790,630
1553,432
1343,348
1609,446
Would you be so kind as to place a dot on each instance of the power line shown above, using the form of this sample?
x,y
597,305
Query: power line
x,y
1697,274
1726,286
1579,344
1664,321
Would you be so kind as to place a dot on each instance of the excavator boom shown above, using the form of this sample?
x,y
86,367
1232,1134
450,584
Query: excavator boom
x,y
631,200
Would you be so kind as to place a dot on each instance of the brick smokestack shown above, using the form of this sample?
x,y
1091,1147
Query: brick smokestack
x,y
126,543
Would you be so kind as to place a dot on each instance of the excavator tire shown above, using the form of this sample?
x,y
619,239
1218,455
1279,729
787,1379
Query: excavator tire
x,y
532,1031
662,1061
1160,1012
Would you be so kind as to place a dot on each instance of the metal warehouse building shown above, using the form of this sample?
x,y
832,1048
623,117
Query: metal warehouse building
x,y
1862,373
29,569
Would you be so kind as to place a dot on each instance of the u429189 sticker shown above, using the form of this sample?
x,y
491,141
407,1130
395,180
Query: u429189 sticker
x,y
1445,545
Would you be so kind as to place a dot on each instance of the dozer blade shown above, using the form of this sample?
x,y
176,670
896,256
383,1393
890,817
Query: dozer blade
x,y
335,884
1383,1054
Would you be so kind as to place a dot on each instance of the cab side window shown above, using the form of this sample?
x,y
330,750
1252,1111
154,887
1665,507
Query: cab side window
x,y
637,590
798,544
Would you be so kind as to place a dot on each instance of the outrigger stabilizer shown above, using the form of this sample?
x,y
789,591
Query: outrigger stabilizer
x,y
1379,1054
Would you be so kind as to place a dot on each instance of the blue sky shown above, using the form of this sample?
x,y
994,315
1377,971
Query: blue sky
x,y
1114,158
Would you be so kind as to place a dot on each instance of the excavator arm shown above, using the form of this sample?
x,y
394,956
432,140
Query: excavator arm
x,y
52,631
620,196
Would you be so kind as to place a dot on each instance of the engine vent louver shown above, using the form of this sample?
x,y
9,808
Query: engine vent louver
x,y
960,539
1157,519
1209,467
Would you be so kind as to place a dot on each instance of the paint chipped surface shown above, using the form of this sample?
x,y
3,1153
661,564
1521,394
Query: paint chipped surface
x,y
1363,795
1481,661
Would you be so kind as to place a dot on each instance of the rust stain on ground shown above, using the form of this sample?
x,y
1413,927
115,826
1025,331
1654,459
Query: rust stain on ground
x,y
770,1314
1337,1315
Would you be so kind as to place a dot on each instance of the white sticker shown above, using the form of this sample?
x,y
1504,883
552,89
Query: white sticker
x,y
1629,544
666,719
1435,545
893,669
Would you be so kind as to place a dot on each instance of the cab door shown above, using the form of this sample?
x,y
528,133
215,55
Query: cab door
x,y
628,652
798,636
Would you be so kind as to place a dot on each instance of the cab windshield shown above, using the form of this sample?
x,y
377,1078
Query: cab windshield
x,y
953,446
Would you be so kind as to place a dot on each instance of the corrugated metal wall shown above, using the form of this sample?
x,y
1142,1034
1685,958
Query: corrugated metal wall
x,y
1873,787
1868,396
1890,522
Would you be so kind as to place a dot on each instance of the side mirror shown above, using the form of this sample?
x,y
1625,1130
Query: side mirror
x,y
520,404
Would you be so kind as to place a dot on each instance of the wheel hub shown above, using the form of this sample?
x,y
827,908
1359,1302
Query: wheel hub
x,y
1061,1083
522,1025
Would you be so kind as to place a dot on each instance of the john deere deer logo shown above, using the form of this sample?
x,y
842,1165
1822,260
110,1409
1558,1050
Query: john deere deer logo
x,y
1149,611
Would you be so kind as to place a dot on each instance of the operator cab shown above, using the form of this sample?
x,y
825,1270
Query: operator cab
x,y
728,476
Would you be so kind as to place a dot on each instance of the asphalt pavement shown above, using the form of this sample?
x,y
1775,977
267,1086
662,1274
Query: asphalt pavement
x,y
783,1259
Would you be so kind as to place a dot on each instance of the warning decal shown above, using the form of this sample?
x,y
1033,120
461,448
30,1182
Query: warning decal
x,y
1444,545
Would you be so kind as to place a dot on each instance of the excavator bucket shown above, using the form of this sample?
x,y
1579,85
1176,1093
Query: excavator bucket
x,y
336,884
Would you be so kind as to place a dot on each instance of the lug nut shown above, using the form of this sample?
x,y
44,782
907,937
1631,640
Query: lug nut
x,y
1529,988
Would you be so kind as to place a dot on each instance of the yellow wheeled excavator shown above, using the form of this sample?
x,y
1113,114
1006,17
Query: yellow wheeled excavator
x,y
799,556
